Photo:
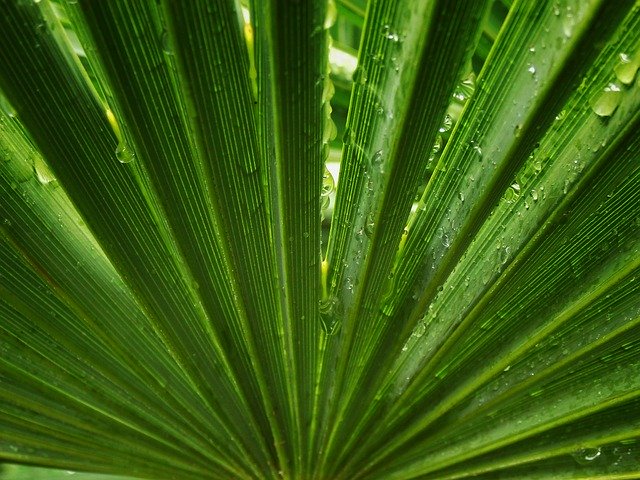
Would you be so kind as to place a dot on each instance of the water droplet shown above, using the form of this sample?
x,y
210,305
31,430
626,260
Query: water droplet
x,y
332,14
6,108
585,456
468,85
511,195
420,330
447,122
376,159
466,88
359,75
459,96
437,145
537,165
328,315
517,130
42,172
124,154
41,29
627,67
395,64
532,49
348,282
389,34
504,255
534,195
377,57
606,102
446,241
369,225
166,43
461,196
568,22
477,149
531,69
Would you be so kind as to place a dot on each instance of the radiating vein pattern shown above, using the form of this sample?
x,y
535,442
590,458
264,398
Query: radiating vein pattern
x,y
319,240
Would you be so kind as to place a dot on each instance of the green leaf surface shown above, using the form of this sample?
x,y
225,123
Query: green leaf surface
x,y
23,472
382,160
319,240
295,128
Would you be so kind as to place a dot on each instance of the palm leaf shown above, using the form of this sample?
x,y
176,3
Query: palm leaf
x,y
184,295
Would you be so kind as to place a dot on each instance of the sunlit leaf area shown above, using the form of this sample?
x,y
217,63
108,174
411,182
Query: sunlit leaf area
x,y
319,239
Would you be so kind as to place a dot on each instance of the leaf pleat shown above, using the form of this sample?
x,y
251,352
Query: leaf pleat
x,y
386,149
295,129
214,70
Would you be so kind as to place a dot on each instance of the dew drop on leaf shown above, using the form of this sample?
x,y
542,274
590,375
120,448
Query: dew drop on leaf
x,y
585,456
512,193
436,146
369,225
124,154
477,149
42,172
328,315
517,130
376,159
389,34
446,241
568,22
447,122
166,43
420,329
6,108
606,102
627,67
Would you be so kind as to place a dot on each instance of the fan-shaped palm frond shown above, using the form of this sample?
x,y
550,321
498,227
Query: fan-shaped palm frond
x,y
186,293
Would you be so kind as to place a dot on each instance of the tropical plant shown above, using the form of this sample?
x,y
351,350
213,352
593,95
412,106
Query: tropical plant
x,y
183,294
